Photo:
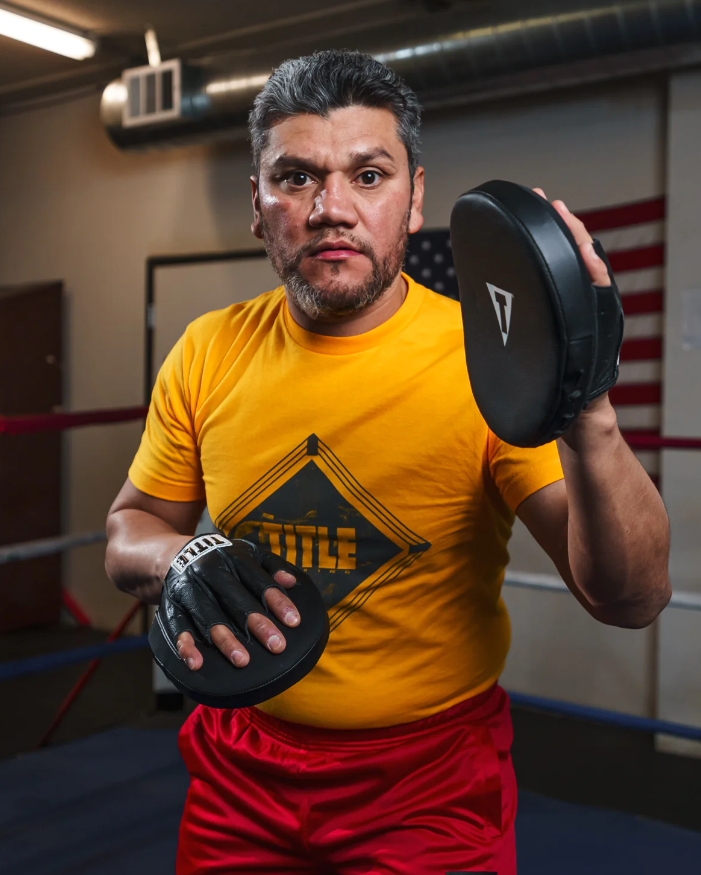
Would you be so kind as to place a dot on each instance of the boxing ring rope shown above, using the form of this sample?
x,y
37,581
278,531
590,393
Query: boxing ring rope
x,y
17,668
61,421
48,546
685,601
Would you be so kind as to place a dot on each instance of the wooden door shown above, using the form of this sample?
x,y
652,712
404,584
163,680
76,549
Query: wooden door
x,y
30,465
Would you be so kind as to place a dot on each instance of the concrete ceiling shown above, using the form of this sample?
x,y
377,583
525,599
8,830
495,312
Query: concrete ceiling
x,y
185,28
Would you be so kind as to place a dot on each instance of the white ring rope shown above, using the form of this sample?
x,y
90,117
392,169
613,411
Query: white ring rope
x,y
685,601
47,546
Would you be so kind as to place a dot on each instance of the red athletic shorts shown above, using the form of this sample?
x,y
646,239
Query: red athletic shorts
x,y
423,798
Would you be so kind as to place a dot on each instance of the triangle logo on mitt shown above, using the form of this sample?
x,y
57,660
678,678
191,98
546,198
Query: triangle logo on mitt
x,y
502,304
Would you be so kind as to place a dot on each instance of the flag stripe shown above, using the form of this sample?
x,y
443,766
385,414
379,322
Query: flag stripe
x,y
643,325
635,259
639,348
635,281
636,393
635,303
646,371
632,236
637,416
636,213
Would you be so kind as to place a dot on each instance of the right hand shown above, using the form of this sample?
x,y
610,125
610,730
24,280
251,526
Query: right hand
x,y
215,591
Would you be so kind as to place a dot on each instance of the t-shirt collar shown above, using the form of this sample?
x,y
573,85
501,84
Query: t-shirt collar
x,y
323,343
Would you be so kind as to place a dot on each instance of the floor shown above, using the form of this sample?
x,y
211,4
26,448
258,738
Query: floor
x,y
110,804
106,796
603,766
561,758
119,691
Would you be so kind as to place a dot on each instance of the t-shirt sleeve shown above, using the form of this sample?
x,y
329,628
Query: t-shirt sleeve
x,y
167,463
519,472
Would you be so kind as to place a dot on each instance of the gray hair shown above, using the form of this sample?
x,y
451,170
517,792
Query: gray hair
x,y
328,80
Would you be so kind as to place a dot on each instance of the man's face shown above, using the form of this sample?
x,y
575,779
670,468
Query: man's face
x,y
334,204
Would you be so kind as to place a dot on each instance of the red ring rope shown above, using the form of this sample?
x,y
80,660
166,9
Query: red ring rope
x,y
637,440
59,421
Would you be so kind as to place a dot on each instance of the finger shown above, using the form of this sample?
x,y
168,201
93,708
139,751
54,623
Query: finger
x,y
224,639
576,226
257,579
196,599
278,604
596,267
540,192
266,632
284,578
282,571
187,651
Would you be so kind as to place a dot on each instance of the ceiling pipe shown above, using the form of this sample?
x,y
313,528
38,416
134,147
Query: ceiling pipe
x,y
473,52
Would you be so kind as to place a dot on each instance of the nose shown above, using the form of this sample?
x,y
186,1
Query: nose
x,y
334,205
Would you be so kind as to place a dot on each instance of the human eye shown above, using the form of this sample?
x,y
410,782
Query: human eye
x,y
369,178
298,178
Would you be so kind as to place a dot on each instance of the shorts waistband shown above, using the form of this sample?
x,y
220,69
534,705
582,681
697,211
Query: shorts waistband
x,y
475,708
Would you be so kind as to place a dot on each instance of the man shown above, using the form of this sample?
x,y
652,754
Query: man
x,y
332,421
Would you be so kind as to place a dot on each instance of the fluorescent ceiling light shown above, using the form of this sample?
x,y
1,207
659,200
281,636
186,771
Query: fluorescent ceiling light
x,y
45,36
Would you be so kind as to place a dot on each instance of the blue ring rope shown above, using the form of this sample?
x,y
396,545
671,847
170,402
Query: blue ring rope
x,y
50,661
602,715
18,668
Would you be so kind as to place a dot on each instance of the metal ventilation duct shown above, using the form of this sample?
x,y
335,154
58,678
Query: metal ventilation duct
x,y
475,51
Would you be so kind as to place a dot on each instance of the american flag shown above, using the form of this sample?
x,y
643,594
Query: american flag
x,y
633,236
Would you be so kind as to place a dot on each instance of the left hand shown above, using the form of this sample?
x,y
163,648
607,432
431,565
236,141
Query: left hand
x,y
596,267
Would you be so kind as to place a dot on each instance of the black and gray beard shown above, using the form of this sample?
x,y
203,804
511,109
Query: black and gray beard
x,y
340,300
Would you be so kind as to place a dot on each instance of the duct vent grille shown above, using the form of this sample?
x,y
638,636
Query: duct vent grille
x,y
153,94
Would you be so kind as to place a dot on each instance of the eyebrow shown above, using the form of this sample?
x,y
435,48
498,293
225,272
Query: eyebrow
x,y
287,161
370,156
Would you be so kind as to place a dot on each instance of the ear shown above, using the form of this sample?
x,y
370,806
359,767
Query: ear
x,y
255,198
416,218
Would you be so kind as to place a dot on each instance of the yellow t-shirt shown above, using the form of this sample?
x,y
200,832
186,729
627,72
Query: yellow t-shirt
x,y
365,461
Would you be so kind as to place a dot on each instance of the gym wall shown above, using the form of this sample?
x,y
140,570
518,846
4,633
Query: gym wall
x,y
72,207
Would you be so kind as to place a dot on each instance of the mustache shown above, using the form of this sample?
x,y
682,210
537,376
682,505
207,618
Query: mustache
x,y
362,247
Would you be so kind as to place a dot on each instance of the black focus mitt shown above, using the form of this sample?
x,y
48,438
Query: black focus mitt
x,y
215,581
540,340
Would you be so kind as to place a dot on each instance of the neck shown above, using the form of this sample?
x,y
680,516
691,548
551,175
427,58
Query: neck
x,y
351,324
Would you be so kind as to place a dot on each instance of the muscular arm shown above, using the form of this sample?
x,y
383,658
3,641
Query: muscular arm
x,y
143,535
605,526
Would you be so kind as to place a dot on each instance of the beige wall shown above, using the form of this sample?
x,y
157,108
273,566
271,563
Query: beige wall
x,y
72,207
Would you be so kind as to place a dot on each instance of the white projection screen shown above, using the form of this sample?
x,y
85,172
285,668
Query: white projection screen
x,y
182,292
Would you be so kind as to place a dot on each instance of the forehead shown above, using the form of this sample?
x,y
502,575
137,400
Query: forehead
x,y
331,141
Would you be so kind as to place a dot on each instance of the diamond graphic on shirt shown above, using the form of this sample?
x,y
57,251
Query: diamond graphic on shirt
x,y
310,510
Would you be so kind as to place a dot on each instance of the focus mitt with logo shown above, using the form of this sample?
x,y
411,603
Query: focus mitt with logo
x,y
540,340
213,581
